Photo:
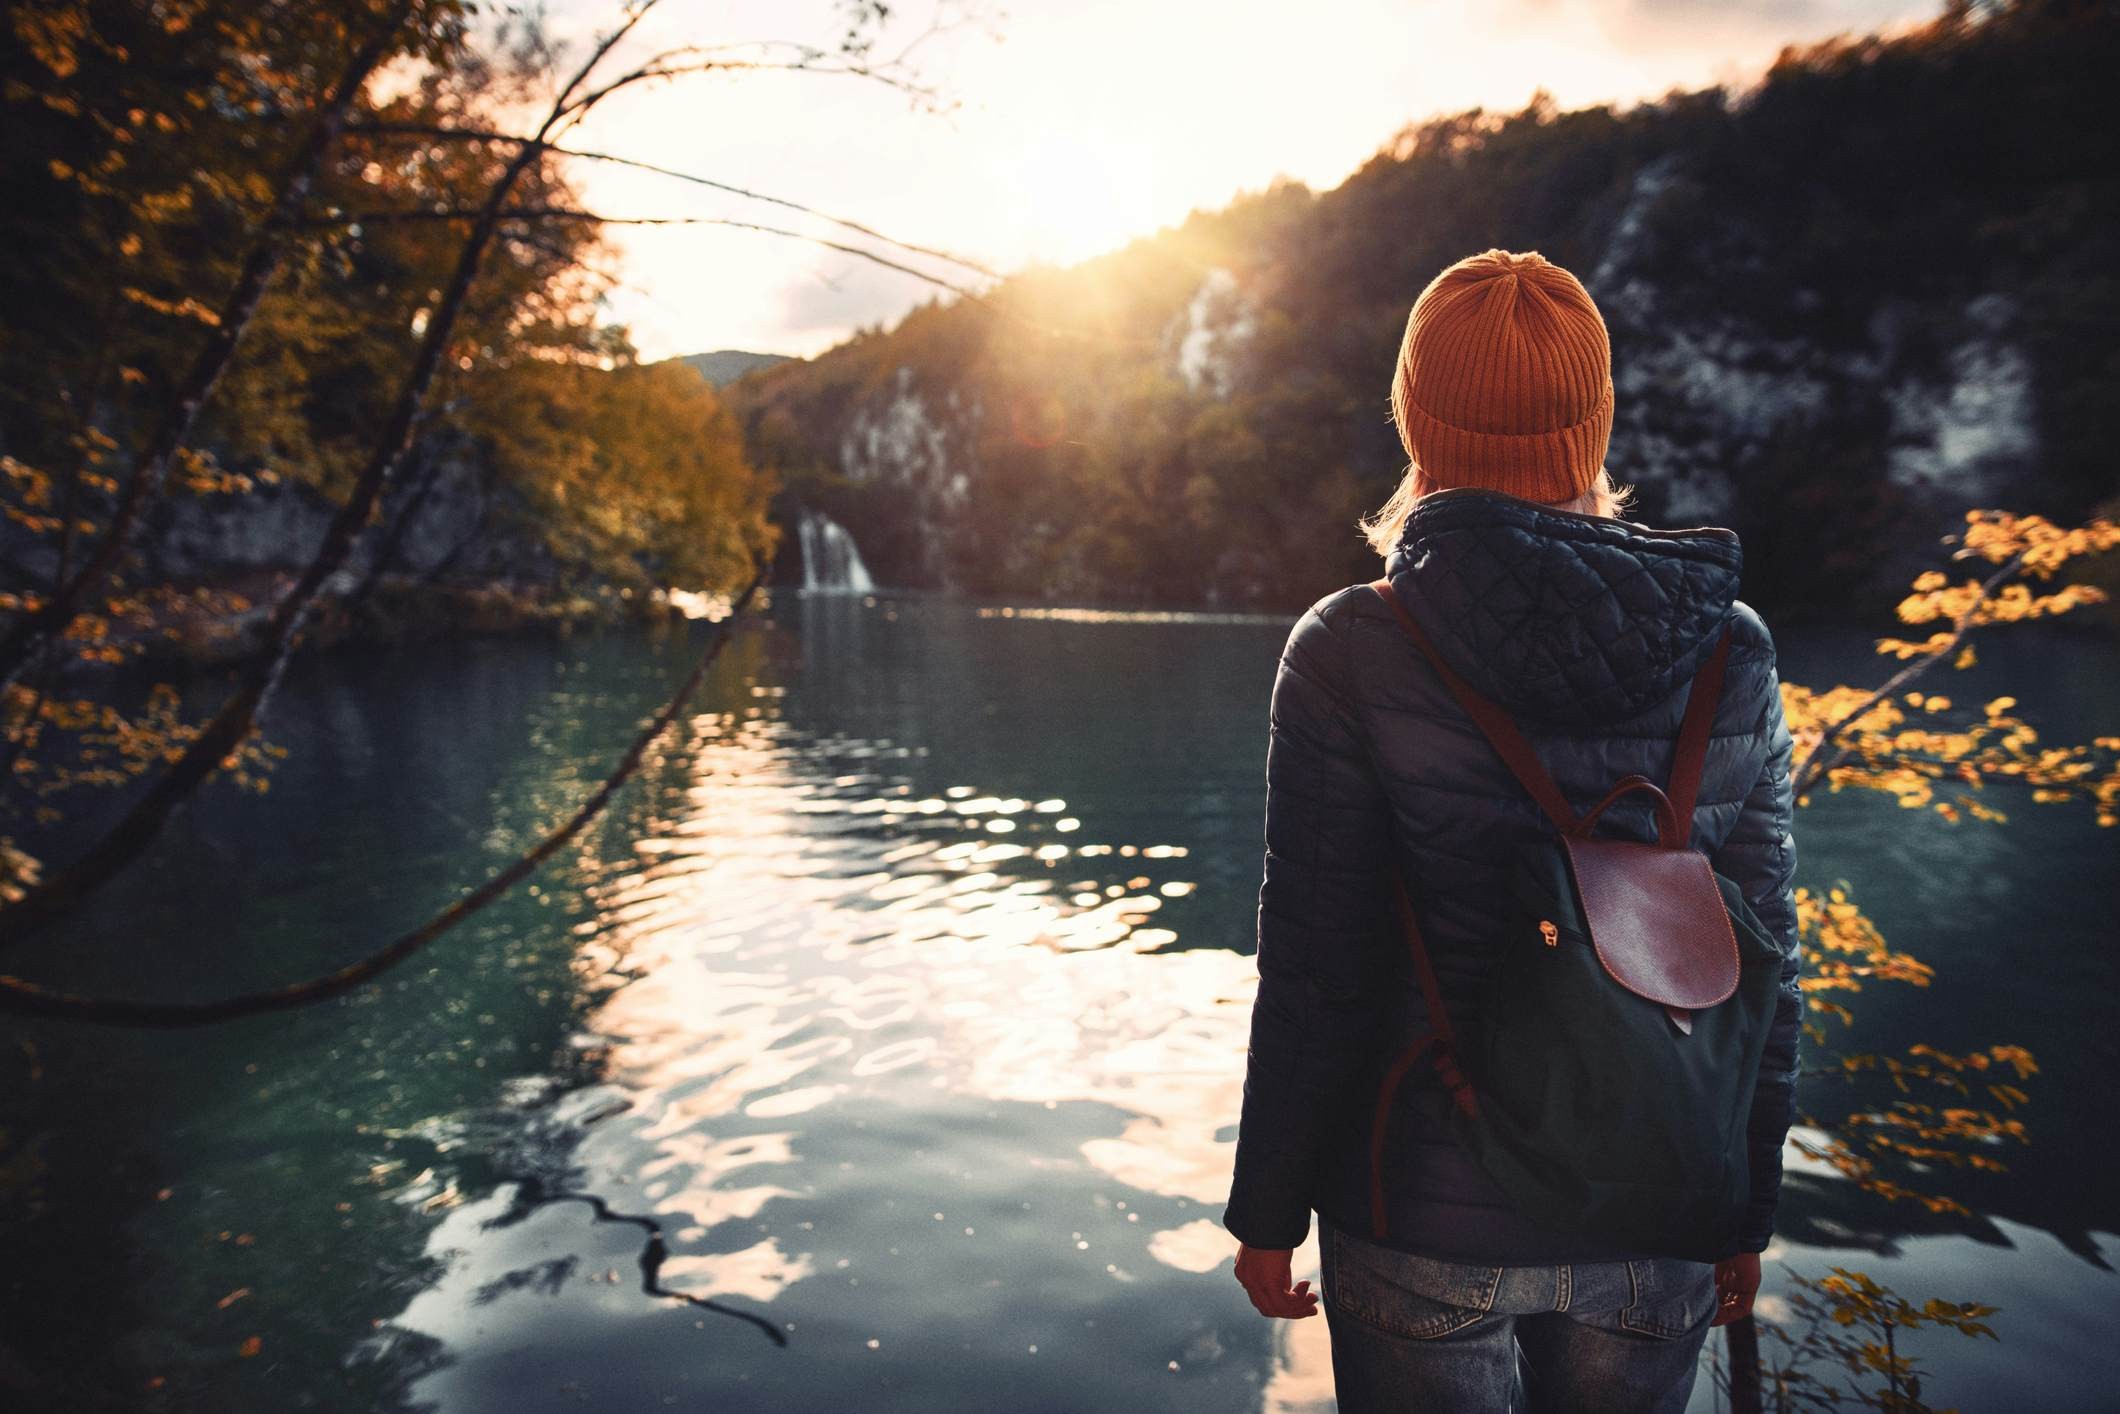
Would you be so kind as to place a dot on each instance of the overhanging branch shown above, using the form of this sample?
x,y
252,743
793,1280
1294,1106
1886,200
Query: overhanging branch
x,y
478,135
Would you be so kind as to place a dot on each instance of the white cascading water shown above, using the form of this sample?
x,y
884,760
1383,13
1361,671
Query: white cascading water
x,y
831,561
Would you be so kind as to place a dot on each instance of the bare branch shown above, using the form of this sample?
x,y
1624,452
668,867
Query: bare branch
x,y
476,135
562,213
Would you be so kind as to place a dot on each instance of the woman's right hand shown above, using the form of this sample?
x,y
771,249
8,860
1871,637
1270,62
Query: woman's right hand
x,y
1736,1283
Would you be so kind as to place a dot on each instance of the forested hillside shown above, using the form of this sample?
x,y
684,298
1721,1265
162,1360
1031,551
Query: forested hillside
x,y
1846,305
144,147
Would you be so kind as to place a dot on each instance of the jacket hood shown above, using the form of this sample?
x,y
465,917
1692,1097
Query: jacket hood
x,y
1560,616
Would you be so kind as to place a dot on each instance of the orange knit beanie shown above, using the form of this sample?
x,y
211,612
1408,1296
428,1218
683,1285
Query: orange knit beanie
x,y
1505,379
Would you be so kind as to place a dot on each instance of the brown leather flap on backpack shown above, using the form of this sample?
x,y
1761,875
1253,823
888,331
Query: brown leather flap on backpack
x,y
1657,920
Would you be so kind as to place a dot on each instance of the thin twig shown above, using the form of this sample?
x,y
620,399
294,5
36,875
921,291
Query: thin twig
x,y
1808,772
662,67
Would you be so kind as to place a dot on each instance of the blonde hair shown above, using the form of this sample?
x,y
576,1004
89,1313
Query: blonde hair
x,y
1383,526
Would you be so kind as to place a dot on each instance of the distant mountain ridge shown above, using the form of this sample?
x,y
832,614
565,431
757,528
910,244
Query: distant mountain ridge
x,y
724,366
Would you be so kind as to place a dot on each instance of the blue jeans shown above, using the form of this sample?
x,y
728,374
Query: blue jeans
x,y
1411,1333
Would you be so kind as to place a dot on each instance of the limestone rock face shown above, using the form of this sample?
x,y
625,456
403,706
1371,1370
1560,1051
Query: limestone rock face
x,y
443,519
1699,399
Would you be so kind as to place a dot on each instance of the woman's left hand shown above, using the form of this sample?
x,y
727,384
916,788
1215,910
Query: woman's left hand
x,y
1265,1276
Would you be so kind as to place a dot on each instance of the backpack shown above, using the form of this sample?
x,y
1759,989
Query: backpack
x,y
1608,1086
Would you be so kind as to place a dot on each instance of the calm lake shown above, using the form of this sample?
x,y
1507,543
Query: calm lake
x,y
880,1050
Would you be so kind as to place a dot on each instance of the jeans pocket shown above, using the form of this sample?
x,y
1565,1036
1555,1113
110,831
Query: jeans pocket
x,y
1671,1297
1399,1292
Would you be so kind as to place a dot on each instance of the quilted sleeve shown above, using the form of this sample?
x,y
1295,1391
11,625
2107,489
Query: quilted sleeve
x,y
1321,908
1760,856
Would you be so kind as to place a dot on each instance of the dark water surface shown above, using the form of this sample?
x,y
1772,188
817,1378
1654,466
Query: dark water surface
x,y
881,1050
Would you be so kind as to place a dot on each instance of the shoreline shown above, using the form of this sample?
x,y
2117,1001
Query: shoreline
x,y
398,610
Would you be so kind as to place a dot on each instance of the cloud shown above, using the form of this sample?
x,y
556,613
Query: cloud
x,y
1676,26
842,293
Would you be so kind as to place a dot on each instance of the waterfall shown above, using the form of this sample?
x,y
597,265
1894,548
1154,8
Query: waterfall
x,y
831,561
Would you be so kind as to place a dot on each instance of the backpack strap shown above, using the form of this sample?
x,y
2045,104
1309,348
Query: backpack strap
x,y
1691,754
1492,721
1432,993
1688,759
1438,1046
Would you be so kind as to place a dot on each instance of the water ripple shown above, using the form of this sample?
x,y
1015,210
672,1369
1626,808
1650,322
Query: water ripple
x,y
843,988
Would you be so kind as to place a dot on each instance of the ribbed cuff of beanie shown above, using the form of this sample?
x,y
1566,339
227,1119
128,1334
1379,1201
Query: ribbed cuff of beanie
x,y
1540,466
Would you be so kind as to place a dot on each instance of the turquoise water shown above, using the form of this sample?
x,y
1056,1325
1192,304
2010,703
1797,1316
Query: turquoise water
x,y
881,1049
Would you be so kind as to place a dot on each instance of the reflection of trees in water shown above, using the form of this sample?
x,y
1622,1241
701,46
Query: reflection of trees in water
x,y
117,1287
1832,1214
68,1289
545,1278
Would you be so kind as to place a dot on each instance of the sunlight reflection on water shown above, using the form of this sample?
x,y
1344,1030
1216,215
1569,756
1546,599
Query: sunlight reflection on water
x,y
1065,614
847,1000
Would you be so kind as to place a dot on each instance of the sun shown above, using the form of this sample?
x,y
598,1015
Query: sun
x,y
1070,194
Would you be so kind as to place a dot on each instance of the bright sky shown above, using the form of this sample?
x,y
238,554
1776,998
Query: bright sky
x,y
1079,124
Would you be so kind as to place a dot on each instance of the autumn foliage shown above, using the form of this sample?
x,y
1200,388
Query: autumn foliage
x,y
241,260
1898,1126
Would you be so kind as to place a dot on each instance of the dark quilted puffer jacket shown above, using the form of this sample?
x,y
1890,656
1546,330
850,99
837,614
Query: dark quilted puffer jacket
x,y
1587,630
